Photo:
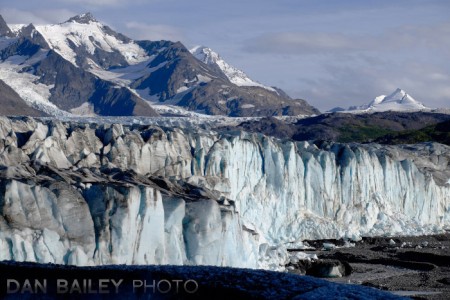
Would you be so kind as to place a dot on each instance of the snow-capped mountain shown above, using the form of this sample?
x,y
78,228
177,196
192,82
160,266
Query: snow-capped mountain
x,y
82,66
83,39
399,100
236,76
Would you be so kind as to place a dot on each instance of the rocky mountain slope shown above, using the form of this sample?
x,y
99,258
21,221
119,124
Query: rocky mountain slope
x,y
87,193
236,76
12,105
364,128
84,67
437,132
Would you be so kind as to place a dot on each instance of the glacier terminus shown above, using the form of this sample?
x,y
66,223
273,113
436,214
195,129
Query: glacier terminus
x,y
100,193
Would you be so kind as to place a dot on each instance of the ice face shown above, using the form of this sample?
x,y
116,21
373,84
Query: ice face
x,y
228,199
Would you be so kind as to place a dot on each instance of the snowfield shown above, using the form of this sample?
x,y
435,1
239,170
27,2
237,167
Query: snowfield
x,y
89,36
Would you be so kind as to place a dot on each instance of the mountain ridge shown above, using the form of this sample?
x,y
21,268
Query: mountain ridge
x,y
236,76
156,74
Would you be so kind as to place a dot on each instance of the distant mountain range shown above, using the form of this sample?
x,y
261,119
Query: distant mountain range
x,y
82,67
399,100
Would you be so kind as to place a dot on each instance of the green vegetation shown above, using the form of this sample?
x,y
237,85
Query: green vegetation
x,y
361,134
437,133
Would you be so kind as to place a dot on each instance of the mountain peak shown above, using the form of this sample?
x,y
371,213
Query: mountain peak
x,y
398,93
85,18
4,29
205,54
399,100
213,59
401,97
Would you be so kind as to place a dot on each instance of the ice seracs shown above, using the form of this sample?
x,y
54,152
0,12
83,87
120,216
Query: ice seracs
x,y
238,199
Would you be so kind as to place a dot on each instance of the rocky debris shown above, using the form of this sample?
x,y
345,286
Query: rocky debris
x,y
329,269
322,268
420,272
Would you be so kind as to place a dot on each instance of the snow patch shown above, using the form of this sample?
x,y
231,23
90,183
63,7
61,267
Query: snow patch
x,y
182,89
247,106
16,28
125,76
203,79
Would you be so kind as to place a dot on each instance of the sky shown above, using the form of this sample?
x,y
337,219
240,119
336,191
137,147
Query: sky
x,y
328,52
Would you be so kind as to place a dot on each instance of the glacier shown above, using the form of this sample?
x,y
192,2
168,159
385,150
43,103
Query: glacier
x,y
96,194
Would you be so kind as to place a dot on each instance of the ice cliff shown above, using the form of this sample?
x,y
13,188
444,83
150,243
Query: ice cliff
x,y
91,194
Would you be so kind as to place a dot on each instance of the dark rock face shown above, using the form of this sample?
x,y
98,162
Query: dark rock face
x,y
4,29
11,103
111,101
28,44
73,86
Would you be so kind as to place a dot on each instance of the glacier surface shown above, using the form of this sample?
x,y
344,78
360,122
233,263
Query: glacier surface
x,y
94,194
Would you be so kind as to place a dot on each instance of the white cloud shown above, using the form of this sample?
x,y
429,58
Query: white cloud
x,y
299,43
40,16
106,3
436,36
154,32
356,81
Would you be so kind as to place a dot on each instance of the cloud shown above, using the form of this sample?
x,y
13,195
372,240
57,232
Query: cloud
x,y
357,80
310,42
38,16
299,43
103,3
94,2
154,32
